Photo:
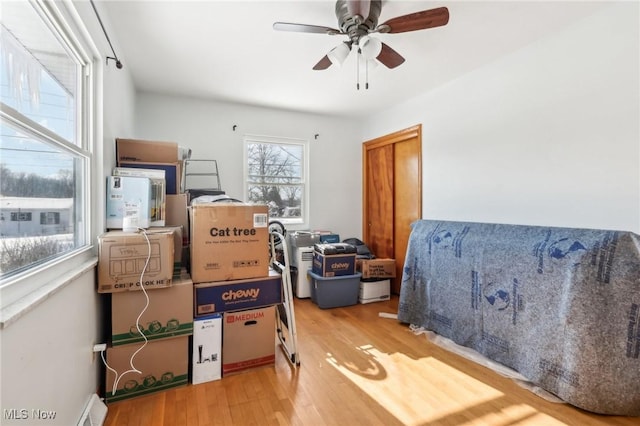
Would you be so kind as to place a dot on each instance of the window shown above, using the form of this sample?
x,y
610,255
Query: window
x,y
20,217
46,85
50,218
276,175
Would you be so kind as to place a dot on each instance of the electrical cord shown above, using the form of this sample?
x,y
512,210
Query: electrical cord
x,y
144,290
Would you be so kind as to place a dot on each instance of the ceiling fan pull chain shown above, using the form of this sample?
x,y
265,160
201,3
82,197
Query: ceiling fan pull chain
x,y
366,73
358,69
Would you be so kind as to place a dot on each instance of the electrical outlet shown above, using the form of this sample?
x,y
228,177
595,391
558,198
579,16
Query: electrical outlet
x,y
97,348
100,347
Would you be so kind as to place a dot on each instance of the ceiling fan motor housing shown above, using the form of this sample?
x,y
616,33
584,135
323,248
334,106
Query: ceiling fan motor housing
x,y
356,26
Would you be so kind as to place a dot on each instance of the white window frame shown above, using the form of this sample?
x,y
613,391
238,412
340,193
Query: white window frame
x,y
21,292
249,138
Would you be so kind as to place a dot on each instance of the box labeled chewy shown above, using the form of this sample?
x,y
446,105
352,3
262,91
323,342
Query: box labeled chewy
x,y
163,364
122,257
229,241
376,268
169,313
221,296
333,260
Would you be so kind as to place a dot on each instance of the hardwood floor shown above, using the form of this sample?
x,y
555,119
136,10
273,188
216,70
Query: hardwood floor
x,y
357,368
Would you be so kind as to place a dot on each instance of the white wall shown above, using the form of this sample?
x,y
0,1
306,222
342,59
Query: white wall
x,y
207,128
47,360
548,135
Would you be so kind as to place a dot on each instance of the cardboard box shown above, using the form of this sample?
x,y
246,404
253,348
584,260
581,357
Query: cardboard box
x,y
374,291
146,151
177,214
172,172
376,268
158,190
334,292
229,241
163,364
334,265
221,296
169,313
178,264
248,339
122,257
128,197
206,362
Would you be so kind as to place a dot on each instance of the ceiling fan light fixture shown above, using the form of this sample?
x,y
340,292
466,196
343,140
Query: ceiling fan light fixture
x,y
357,19
370,47
338,54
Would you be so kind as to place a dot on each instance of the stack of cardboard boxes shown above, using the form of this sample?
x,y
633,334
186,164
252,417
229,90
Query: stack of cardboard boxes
x,y
375,284
161,357
229,259
176,331
334,280
341,278
141,273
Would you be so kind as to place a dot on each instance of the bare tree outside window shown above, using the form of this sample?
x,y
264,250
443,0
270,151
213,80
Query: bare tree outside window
x,y
275,177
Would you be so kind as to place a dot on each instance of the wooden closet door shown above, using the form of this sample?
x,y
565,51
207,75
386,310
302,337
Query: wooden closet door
x,y
407,199
379,182
392,194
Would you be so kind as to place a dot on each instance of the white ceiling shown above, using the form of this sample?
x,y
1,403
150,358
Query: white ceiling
x,y
228,50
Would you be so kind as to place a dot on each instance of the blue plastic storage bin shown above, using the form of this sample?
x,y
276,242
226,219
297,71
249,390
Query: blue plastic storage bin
x,y
333,292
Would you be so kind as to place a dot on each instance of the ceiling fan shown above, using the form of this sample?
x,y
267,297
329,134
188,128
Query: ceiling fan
x,y
358,20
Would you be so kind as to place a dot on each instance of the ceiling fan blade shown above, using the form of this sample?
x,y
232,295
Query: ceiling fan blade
x,y
359,7
323,64
304,28
389,57
417,21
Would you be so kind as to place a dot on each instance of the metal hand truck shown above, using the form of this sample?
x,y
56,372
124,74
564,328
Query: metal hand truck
x,y
285,315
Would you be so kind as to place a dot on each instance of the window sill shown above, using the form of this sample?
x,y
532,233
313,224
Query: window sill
x,y
14,311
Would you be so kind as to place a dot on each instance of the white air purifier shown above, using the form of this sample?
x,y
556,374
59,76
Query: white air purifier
x,y
303,260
